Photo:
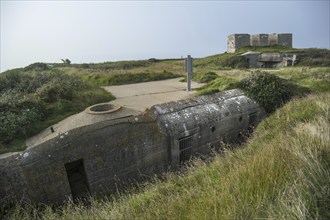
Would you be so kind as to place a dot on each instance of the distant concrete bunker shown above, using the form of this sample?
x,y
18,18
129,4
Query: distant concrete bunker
x,y
236,41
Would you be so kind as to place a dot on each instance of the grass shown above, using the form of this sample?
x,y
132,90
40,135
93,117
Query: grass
x,y
281,173
316,79
128,78
219,84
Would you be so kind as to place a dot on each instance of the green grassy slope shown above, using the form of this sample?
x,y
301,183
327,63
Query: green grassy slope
x,y
40,95
30,101
281,173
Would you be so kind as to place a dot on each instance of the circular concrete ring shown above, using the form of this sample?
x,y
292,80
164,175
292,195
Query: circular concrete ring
x,y
102,108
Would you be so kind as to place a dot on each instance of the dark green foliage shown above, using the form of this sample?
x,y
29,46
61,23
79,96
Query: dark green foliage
x,y
314,57
17,123
269,90
236,62
36,67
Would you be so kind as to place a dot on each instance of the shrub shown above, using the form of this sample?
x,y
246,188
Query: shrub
x,y
13,124
37,67
269,90
54,91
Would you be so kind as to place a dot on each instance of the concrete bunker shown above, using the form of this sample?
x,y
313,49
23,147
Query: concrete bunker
x,y
108,155
269,60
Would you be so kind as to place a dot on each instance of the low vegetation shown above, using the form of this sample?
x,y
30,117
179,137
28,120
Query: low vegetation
x,y
128,78
32,101
281,173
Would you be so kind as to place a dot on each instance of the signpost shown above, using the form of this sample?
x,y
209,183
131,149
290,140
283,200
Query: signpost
x,y
189,70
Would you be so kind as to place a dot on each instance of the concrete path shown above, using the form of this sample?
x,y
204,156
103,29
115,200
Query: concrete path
x,y
134,99
141,96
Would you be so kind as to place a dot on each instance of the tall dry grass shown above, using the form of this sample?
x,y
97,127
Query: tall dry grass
x,y
281,173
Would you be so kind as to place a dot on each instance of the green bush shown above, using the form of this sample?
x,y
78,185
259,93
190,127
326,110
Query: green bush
x,y
37,67
269,90
14,124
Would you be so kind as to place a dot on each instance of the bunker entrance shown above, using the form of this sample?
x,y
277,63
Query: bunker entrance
x,y
185,147
252,121
77,179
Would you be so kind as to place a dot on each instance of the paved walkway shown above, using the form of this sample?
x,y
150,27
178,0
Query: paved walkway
x,y
141,96
134,99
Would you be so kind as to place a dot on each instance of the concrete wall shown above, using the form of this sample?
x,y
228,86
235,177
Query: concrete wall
x,y
236,41
273,39
259,40
123,151
112,152
231,43
285,40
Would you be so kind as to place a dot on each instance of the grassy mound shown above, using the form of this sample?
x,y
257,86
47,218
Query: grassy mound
x,y
281,173
32,101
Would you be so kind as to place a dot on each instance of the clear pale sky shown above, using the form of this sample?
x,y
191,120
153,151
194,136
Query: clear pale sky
x,y
99,31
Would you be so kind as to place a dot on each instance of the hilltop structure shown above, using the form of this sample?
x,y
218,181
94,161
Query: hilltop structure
x,y
269,60
236,41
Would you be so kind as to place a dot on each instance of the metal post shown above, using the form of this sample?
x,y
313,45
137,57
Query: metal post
x,y
189,70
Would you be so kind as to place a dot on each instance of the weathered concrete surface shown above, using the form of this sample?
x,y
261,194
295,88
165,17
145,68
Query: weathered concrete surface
x,y
236,41
134,98
142,96
125,149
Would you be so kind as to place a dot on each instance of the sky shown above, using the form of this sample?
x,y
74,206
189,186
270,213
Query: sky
x,y
100,31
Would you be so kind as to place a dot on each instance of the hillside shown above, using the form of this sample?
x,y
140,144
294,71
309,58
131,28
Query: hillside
x,y
281,173
39,95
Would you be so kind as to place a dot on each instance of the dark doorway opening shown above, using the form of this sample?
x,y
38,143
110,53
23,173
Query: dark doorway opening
x,y
77,179
185,147
252,121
